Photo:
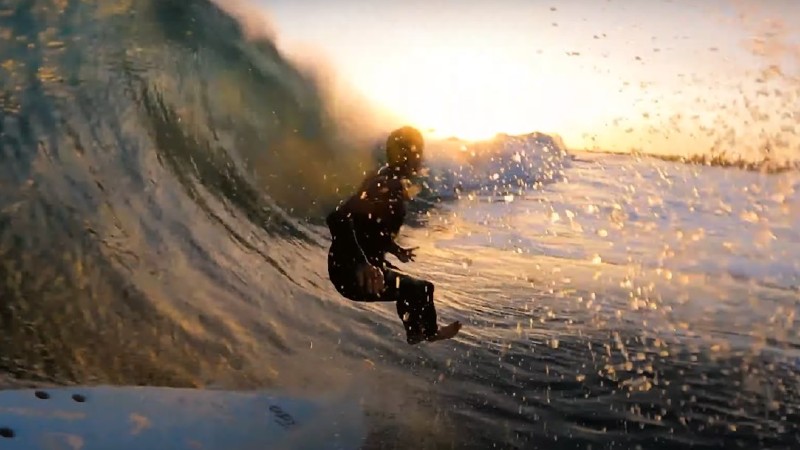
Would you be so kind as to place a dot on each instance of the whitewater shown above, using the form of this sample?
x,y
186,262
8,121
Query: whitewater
x,y
164,178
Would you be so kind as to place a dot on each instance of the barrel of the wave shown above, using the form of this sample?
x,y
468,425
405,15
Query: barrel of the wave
x,y
136,418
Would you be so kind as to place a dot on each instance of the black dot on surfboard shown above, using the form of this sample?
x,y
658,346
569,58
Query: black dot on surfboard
x,y
6,433
79,398
42,395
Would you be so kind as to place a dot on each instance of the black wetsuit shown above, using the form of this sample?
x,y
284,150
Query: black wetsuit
x,y
363,229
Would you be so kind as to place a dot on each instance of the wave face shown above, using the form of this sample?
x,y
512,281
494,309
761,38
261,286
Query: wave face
x,y
150,152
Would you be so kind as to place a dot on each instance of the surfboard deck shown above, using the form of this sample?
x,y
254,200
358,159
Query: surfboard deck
x,y
144,418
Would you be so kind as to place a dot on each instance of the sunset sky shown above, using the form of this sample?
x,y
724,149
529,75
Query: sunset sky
x,y
612,74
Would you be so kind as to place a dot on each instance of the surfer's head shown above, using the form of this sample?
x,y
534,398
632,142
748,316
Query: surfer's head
x,y
404,148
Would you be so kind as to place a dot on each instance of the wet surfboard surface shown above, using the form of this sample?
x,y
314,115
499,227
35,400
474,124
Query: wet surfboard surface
x,y
144,418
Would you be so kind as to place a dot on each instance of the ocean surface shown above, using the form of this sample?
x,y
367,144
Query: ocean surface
x,y
163,184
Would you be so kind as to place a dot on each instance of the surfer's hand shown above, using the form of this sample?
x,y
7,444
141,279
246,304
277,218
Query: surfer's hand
x,y
370,279
406,254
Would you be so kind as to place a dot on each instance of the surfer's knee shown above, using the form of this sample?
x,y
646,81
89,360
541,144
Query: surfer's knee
x,y
427,290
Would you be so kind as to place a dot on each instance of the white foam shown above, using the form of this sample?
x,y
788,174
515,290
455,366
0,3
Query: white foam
x,y
506,165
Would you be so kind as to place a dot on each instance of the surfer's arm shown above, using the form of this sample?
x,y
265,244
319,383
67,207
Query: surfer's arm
x,y
397,192
403,254
343,230
393,248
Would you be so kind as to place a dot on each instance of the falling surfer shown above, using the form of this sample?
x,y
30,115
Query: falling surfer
x,y
363,230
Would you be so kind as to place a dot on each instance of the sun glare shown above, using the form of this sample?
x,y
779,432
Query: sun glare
x,y
470,93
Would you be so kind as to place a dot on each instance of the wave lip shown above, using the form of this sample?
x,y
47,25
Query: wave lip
x,y
504,165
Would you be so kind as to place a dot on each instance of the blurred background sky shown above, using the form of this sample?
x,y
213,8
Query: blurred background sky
x,y
608,74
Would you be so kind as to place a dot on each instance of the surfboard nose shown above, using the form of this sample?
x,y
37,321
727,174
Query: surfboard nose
x,y
136,418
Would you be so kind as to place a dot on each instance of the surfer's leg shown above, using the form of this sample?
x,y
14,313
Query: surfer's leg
x,y
414,300
342,272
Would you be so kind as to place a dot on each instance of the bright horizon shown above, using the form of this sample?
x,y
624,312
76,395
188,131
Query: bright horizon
x,y
614,75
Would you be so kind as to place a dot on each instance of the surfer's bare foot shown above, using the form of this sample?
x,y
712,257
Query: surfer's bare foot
x,y
446,332
441,334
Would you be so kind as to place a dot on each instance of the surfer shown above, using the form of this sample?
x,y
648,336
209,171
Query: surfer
x,y
363,230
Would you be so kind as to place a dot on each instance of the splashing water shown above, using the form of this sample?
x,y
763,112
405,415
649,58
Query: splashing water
x,y
164,176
